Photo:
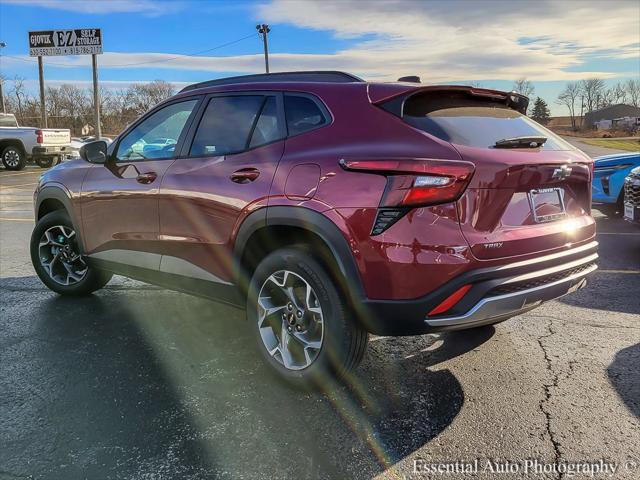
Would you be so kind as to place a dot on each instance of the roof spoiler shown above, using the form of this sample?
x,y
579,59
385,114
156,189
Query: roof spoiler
x,y
396,92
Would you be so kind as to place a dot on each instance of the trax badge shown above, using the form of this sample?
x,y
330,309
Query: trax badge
x,y
561,173
493,245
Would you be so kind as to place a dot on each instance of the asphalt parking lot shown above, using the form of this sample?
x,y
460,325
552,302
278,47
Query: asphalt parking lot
x,y
138,382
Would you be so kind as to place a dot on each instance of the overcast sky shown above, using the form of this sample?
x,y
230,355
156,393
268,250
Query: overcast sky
x,y
490,43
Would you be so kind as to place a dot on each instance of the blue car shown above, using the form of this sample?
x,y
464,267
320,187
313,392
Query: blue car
x,y
608,180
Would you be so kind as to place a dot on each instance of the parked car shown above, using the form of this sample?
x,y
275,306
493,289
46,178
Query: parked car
x,y
632,196
608,180
329,208
21,144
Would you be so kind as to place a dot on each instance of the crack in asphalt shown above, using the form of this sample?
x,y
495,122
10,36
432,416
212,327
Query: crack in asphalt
x,y
547,393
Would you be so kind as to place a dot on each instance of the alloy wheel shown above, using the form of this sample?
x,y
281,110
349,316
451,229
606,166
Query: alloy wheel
x,y
290,320
11,158
59,256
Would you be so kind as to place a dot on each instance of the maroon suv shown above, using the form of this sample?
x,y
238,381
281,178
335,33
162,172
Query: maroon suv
x,y
330,207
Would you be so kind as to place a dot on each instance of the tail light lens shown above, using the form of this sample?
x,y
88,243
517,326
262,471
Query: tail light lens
x,y
39,136
417,182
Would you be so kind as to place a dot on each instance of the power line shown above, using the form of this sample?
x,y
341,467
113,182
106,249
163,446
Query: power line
x,y
194,54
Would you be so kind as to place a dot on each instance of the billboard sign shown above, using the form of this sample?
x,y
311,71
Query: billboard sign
x,y
83,41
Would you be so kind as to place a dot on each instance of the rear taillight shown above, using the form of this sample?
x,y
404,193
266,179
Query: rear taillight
x,y
417,182
39,136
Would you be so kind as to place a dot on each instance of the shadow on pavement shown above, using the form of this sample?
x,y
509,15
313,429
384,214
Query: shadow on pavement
x,y
608,291
154,383
623,375
85,397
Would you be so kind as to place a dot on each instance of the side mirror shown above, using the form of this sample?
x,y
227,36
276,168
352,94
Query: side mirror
x,y
94,152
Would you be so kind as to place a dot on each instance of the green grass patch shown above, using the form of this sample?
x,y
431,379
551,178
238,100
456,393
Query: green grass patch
x,y
631,145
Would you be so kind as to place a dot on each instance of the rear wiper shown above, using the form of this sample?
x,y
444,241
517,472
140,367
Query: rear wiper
x,y
523,142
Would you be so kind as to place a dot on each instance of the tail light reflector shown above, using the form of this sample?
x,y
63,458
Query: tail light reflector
x,y
450,301
39,136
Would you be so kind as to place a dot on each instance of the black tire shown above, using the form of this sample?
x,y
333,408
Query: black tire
x,y
613,210
343,342
91,281
13,158
45,162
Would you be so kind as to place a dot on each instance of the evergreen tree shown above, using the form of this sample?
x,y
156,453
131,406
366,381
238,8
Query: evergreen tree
x,y
540,111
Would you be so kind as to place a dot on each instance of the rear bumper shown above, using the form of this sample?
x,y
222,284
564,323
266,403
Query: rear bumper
x,y
49,151
497,293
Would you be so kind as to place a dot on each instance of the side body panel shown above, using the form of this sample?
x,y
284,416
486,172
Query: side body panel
x,y
201,208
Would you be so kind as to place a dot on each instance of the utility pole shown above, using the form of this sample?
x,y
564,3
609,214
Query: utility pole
x,y
96,98
43,109
2,45
263,29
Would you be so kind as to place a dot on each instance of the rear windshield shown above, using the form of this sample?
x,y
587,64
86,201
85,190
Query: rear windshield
x,y
8,121
480,126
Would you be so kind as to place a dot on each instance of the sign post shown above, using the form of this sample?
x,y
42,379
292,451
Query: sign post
x,y
96,97
84,41
43,109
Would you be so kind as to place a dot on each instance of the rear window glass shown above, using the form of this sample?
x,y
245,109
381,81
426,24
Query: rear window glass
x,y
480,126
8,121
303,114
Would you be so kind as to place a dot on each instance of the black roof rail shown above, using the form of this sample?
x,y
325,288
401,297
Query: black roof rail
x,y
329,76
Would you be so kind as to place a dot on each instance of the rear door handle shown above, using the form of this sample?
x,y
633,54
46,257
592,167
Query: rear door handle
x,y
245,175
147,177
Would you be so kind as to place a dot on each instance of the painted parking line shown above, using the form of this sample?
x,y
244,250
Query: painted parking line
x,y
2,219
613,270
32,172
9,187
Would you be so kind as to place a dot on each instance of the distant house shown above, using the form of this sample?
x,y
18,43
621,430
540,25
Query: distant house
x,y
605,116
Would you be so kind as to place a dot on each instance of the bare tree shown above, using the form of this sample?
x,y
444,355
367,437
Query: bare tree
x,y
619,93
70,106
18,92
607,97
142,96
523,87
568,97
592,89
632,88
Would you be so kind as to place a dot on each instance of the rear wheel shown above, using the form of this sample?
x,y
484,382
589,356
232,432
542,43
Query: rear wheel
x,y
301,322
57,259
45,162
13,158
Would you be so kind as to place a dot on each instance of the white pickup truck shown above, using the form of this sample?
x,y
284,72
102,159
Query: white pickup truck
x,y
45,146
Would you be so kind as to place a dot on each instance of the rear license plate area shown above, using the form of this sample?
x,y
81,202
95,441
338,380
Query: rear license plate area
x,y
547,205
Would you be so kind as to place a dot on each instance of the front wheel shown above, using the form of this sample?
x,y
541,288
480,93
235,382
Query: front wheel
x,y
57,259
301,322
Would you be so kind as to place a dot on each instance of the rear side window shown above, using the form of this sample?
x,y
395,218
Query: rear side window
x,y
303,114
267,129
226,125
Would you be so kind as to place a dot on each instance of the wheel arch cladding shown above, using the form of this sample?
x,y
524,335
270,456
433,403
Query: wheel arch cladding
x,y
51,199
278,226
12,142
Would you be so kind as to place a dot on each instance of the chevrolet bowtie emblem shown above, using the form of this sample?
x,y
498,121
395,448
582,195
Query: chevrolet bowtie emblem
x,y
561,173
